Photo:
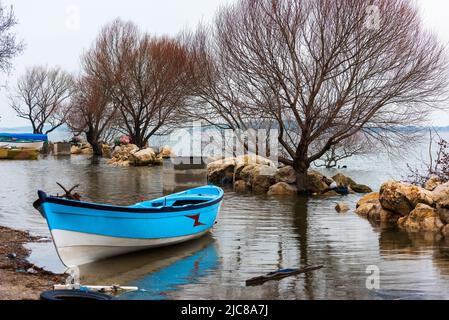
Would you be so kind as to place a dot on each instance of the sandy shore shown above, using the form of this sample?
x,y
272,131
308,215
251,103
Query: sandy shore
x,y
20,280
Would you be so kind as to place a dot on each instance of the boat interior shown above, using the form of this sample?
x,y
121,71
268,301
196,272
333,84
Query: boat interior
x,y
182,199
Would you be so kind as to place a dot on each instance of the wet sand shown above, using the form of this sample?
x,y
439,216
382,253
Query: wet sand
x,y
19,279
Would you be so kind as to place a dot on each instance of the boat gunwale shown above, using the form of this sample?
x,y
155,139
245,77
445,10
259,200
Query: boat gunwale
x,y
44,198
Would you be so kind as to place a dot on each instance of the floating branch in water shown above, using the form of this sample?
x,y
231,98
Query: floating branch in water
x,y
279,275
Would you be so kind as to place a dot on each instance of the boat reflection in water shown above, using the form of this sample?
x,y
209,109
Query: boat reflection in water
x,y
155,271
188,270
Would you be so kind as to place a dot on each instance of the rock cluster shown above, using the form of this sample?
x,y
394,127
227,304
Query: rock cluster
x,y
86,149
261,176
413,208
83,148
130,155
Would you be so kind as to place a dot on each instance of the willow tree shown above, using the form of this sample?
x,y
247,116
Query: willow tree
x,y
146,76
326,70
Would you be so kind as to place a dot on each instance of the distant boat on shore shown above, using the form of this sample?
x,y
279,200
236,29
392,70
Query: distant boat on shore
x,y
22,140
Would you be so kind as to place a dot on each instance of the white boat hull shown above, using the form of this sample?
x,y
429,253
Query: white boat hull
x,y
75,248
25,145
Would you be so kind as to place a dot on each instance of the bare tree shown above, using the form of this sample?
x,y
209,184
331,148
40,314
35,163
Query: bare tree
x,y
92,112
215,98
42,97
10,47
323,73
147,77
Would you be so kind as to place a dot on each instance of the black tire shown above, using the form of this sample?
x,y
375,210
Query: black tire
x,y
73,295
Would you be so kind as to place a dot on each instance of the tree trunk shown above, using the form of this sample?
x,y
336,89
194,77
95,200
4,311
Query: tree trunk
x,y
96,145
301,168
139,140
97,148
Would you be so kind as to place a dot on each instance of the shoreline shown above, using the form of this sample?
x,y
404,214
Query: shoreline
x,y
20,279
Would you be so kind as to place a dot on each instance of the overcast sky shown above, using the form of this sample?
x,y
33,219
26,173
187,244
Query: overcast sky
x,y
56,32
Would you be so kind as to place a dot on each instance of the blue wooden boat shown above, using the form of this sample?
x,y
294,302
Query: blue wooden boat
x,y
84,232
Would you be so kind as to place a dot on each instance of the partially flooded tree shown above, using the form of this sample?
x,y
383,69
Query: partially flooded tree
x,y
42,97
147,77
92,113
324,72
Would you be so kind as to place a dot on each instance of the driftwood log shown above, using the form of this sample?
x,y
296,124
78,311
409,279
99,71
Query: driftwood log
x,y
68,193
279,275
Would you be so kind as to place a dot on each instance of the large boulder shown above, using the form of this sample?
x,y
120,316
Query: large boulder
x,y
121,156
282,189
247,173
165,152
106,150
158,161
218,164
369,198
221,171
124,151
316,182
402,198
142,157
360,188
443,213
240,186
237,171
263,177
432,183
286,174
343,180
76,150
422,218
253,159
86,149
370,208
441,195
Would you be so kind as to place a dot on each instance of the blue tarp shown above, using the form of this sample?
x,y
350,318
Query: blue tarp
x,y
28,136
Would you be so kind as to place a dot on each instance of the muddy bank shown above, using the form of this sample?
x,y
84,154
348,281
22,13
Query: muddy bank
x,y
20,279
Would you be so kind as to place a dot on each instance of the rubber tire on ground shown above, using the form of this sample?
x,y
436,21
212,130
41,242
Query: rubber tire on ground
x,y
73,295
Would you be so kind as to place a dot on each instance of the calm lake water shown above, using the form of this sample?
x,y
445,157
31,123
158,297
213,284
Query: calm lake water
x,y
254,235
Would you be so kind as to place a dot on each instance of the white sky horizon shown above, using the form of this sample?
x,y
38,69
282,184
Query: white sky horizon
x,y
55,37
